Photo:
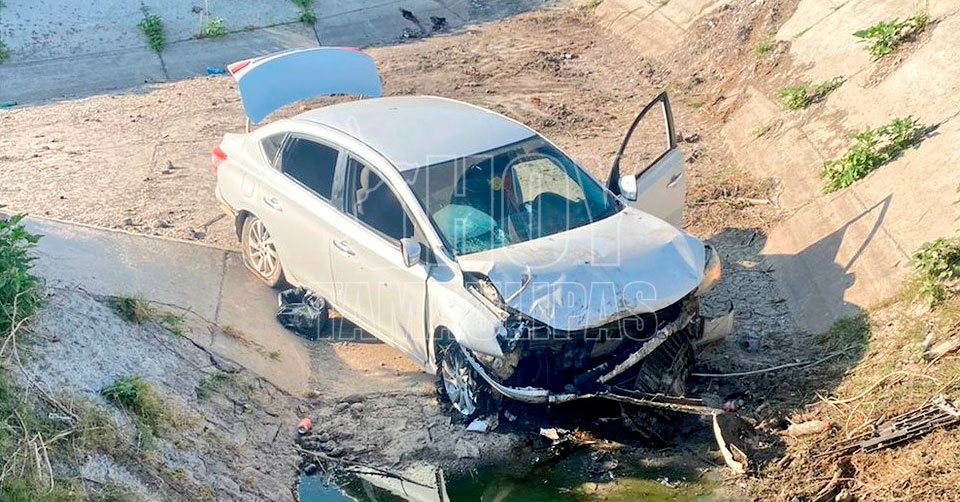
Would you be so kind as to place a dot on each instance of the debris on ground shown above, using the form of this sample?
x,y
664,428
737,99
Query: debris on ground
x,y
809,427
485,424
937,413
735,438
303,312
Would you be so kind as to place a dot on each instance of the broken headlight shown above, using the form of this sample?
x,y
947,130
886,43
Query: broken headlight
x,y
711,270
483,287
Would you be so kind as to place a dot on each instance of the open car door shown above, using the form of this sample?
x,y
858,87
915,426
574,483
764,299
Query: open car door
x,y
648,169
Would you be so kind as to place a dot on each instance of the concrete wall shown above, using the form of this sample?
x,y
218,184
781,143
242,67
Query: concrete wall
x,y
836,254
70,48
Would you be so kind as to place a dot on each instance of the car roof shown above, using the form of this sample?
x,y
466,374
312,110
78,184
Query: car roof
x,y
415,131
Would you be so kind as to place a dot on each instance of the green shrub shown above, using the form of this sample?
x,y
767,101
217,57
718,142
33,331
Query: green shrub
x,y
762,47
873,147
936,264
307,15
213,28
19,289
799,96
884,37
152,27
134,395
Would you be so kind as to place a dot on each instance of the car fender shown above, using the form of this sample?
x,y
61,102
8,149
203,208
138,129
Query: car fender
x,y
474,324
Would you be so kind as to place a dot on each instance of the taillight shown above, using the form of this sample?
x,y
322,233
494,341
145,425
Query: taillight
x,y
217,156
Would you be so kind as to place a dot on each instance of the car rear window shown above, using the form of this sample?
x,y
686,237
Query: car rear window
x,y
310,163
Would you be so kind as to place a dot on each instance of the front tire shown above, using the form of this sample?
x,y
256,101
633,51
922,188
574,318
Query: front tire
x,y
458,384
260,252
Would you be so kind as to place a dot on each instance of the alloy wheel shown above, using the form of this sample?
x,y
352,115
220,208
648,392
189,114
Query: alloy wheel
x,y
262,252
459,382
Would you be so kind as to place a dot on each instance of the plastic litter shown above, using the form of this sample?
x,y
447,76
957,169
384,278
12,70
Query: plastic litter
x,y
807,428
7,103
216,70
303,312
304,426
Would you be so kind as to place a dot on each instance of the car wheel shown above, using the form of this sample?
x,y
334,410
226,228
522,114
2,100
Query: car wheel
x,y
459,384
260,252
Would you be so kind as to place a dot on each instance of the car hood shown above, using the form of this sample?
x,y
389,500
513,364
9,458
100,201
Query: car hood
x,y
628,263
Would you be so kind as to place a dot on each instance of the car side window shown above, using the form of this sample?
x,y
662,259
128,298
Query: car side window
x,y
310,163
370,200
271,145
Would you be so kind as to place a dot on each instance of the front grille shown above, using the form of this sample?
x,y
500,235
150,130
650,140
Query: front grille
x,y
554,359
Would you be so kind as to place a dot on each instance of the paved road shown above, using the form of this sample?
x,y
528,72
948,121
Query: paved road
x,y
65,48
214,285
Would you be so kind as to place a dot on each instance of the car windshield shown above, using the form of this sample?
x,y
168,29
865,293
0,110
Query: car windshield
x,y
511,194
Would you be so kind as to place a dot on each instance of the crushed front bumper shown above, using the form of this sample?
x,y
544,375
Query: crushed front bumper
x,y
602,376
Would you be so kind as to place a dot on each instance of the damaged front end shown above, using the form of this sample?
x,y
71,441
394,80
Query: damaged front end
x,y
650,353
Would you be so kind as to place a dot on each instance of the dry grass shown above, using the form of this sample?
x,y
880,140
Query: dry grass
x,y
890,377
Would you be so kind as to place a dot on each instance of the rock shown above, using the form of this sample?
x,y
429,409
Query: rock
x,y
354,398
341,407
466,449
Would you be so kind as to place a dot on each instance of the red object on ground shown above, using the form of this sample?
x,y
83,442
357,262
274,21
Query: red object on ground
x,y
304,426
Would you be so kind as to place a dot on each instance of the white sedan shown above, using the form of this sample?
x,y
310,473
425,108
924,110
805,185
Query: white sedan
x,y
465,239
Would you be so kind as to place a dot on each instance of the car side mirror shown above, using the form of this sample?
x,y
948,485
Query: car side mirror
x,y
411,251
628,187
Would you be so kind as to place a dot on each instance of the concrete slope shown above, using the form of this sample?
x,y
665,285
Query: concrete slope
x,y
63,48
839,253
213,289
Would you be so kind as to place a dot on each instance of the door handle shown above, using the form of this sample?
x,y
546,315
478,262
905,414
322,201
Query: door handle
x,y
674,180
273,203
343,247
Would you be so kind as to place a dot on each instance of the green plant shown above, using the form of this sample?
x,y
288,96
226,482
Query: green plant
x,y
274,354
19,289
885,36
761,130
132,308
173,323
936,264
4,52
152,27
847,333
211,383
591,5
762,47
213,28
307,14
802,95
873,147
134,395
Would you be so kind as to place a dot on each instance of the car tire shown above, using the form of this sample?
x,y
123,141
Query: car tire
x,y
260,253
458,386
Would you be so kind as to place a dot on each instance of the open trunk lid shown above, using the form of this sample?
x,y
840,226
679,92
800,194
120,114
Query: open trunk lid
x,y
270,82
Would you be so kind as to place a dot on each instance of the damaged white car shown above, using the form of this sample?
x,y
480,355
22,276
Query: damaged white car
x,y
465,239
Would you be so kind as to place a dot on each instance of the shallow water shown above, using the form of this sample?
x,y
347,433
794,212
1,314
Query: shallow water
x,y
566,480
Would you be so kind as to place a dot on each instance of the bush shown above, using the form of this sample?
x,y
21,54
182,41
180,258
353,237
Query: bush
x,y
937,263
134,395
213,28
796,97
884,37
762,47
873,147
152,27
19,289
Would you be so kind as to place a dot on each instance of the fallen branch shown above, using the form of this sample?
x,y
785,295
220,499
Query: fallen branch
x,y
880,381
768,370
